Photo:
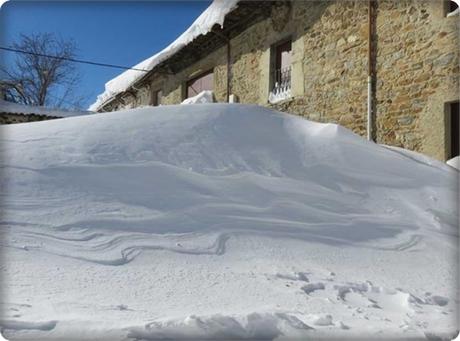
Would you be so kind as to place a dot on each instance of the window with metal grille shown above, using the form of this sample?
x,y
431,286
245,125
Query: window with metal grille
x,y
281,70
451,8
201,83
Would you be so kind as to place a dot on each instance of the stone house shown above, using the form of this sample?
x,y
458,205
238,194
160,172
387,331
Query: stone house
x,y
389,69
11,113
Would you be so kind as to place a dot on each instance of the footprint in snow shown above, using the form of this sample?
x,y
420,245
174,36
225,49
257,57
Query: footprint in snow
x,y
123,307
325,320
436,300
311,287
297,276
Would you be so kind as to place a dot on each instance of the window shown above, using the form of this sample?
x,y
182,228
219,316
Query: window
x,y
453,112
157,97
201,83
451,8
281,72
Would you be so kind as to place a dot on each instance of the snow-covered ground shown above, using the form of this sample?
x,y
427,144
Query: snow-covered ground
x,y
222,221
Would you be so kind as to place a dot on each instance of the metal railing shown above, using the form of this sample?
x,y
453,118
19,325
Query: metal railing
x,y
281,80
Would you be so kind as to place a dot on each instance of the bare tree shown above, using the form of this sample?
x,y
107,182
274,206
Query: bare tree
x,y
35,78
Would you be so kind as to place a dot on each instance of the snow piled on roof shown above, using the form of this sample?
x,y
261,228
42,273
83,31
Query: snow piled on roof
x,y
15,108
222,221
214,14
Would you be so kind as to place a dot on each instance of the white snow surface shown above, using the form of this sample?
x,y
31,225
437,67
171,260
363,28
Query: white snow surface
x,y
213,15
10,107
205,96
221,221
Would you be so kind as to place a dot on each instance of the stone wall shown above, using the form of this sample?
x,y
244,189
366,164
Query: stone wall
x,y
334,63
416,61
417,72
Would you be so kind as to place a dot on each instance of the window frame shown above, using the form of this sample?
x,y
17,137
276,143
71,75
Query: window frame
x,y
450,128
448,4
273,59
156,100
195,78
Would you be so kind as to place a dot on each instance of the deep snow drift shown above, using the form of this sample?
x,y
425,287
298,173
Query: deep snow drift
x,y
221,221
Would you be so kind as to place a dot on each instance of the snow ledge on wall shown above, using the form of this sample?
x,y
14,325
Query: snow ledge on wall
x,y
206,96
454,13
276,97
454,162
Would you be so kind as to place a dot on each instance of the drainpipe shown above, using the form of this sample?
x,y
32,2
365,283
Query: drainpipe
x,y
369,108
228,70
369,74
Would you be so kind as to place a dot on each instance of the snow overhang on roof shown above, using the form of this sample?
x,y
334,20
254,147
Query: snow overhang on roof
x,y
214,15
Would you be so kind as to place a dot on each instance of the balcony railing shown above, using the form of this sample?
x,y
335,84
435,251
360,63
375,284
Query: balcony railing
x,y
281,86
282,80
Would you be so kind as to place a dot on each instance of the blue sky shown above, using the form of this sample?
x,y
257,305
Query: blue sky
x,y
122,33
